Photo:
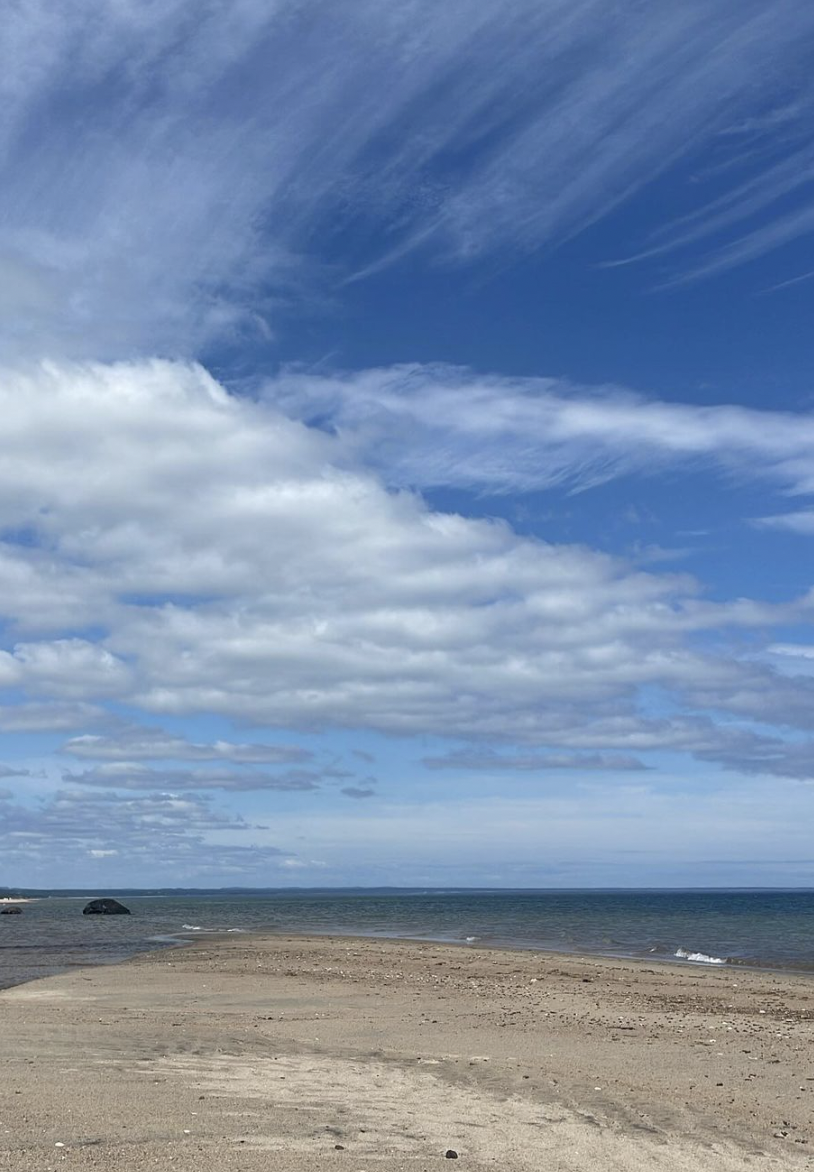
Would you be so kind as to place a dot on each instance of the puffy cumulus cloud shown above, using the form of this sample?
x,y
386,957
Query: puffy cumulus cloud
x,y
439,425
232,561
63,668
136,776
221,148
180,837
71,668
138,743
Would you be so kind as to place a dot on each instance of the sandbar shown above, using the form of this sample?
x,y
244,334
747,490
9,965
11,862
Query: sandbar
x,y
249,1052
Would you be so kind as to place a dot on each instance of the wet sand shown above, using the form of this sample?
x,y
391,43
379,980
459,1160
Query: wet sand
x,y
269,1052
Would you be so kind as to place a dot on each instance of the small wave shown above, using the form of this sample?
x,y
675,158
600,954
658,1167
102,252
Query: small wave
x,y
471,939
200,928
699,957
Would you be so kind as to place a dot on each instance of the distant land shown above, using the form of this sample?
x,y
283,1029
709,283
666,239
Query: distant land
x,y
67,892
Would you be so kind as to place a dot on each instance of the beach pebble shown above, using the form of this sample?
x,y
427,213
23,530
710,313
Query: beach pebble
x,y
451,1154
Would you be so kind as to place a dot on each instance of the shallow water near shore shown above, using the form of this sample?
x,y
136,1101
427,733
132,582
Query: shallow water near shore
x,y
765,929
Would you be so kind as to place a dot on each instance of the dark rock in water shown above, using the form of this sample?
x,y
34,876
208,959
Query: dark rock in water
x,y
11,911
451,1154
105,907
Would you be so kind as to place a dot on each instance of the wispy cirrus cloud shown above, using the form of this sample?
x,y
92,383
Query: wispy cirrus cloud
x,y
730,225
225,152
801,522
436,425
792,650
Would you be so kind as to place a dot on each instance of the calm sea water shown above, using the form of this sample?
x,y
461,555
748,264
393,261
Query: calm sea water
x,y
764,929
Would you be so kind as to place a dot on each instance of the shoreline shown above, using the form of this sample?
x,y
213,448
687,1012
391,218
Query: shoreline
x,y
663,960
191,939
374,1052
726,965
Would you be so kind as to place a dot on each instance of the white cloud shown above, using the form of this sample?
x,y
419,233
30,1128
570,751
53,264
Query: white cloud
x,y
142,744
800,522
51,716
441,425
161,163
757,694
71,668
137,776
792,650
236,564
734,748
486,759
791,175
13,771
781,230
165,836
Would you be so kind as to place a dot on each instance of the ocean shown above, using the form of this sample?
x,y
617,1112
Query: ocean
x,y
762,929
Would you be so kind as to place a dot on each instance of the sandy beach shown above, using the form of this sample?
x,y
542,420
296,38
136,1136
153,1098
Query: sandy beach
x,y
260,1052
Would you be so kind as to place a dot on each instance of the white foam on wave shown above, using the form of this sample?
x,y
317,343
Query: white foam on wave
x,y
471,939
200,928
699,957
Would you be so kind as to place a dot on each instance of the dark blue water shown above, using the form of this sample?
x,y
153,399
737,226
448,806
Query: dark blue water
x,y
763,929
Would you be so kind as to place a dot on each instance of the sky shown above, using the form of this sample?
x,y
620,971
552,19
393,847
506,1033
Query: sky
x,y
406,443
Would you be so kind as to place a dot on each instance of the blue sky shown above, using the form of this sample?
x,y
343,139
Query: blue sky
x,y
407,443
